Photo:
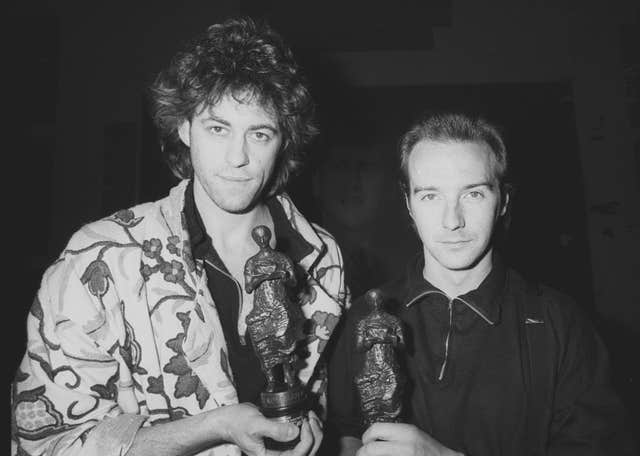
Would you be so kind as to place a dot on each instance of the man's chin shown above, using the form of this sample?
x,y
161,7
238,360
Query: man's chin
x,y
460,266
458,262
237,206
239,209
462,260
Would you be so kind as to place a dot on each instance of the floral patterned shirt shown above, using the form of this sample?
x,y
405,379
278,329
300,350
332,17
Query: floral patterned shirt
x,y
124,333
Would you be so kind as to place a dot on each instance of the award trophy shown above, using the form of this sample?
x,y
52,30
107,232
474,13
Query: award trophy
x,y
379,382
275,327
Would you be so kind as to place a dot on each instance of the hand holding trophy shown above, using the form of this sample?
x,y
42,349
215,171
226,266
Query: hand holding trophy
x,y
275,327
380,381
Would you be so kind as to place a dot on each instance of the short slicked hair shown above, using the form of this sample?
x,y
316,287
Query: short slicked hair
x,y
454,127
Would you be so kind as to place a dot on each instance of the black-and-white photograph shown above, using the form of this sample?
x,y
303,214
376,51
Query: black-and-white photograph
x,y
289,228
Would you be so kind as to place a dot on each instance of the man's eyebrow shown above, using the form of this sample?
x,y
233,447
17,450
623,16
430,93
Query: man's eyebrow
x,y
212,117
271,127
428,188
215,118
431,188
487,184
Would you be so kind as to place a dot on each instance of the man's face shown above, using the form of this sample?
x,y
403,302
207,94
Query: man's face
x,y
454,201
233,147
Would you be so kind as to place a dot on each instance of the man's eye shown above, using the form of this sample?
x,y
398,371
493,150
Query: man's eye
x,y
428,196
216,129
261,136
475,195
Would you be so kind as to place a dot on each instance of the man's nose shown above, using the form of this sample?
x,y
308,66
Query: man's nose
x,y
237,153
453,217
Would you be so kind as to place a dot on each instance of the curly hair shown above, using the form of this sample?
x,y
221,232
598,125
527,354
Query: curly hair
x,y
250,62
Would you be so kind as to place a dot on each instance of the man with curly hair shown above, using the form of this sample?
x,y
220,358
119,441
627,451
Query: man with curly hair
x,y
137,337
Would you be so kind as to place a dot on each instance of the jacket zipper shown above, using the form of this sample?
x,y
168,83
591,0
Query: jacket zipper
x,y
449,330
446,342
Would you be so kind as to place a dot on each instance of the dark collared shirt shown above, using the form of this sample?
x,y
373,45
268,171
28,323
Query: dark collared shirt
x,y
468,369
227,293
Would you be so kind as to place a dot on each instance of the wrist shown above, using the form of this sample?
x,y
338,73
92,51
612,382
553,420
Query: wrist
x,y
219,423
188,435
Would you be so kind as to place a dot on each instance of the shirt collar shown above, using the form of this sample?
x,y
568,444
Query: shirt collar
x,y
288,240
199,240
485,300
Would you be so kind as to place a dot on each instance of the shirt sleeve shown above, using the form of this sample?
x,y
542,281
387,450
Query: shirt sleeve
x,y
65,395
588,417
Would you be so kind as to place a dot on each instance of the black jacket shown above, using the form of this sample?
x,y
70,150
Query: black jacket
x,y
509,368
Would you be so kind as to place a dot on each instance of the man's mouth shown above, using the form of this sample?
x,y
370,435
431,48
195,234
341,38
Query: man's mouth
x,y
235,178
455,243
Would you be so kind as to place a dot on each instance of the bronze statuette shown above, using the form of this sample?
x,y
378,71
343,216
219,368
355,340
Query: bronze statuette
x,y
380,381
275,327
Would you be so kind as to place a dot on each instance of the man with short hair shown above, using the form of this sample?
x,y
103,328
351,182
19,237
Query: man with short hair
x,y
137,339
496,365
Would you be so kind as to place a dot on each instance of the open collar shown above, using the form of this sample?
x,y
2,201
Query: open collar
x,y
288,240
484,301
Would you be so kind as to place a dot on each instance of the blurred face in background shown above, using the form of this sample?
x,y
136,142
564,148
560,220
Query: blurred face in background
x,y
352,185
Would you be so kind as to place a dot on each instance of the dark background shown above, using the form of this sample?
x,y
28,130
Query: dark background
x,y
562,80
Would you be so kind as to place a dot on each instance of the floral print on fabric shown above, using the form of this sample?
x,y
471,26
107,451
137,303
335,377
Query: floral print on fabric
x,y
37,415
96,277
124,323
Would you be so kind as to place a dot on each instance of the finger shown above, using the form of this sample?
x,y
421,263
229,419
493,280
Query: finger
x,y
386,431
282,432
316,430
314,417
306,440
380,448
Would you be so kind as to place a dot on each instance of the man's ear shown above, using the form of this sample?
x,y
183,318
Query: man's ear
x,y
183,132
406,202
505,201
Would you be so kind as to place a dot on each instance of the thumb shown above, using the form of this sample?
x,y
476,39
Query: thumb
x,y
384,431
282,432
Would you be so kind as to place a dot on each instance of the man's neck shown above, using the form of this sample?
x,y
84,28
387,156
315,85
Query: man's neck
x,y
229,231
456,283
